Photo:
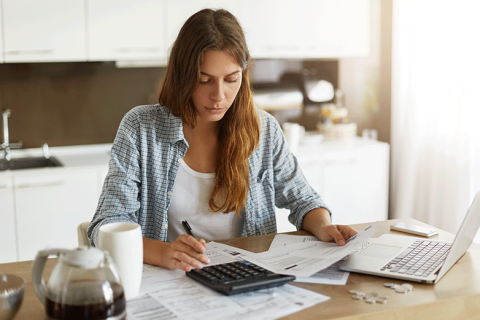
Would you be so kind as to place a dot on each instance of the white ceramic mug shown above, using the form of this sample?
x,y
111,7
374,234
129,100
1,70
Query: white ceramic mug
x,y
293,133
124,243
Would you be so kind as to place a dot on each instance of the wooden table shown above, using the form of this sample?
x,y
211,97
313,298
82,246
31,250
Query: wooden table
x,y
456,296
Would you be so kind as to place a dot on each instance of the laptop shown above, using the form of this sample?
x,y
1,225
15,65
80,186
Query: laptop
x,y
415,259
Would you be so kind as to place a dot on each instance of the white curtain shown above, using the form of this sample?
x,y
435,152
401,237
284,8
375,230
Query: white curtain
x,y
435,110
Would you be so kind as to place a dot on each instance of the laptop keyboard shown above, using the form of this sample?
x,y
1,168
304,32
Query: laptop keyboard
x,y
420,259
238,277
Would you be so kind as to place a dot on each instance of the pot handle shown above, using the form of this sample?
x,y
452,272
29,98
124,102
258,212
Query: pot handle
x,y
37,271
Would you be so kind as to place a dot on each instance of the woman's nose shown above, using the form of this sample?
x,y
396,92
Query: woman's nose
x,y
218,93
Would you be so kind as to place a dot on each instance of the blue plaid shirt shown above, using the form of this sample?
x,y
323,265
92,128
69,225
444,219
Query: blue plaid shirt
x,y
145,160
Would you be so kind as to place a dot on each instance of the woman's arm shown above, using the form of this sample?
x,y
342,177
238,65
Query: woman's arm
x,y
184,253
318,223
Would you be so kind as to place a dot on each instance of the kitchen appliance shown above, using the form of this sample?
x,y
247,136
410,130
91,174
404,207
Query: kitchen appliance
x,y
84,284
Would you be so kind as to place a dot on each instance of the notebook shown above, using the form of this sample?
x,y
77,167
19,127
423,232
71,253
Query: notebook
x,y
415,259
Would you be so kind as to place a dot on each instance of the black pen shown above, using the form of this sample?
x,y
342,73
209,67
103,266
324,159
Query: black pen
x,y
187,228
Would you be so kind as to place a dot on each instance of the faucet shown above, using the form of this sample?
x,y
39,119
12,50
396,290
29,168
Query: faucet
x,y
6,145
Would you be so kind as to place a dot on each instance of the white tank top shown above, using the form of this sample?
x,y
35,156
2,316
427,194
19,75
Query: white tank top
x,y
190,196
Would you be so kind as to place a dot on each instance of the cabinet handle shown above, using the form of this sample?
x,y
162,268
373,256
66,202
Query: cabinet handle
x,y
3,186
48,51
127,50
40,185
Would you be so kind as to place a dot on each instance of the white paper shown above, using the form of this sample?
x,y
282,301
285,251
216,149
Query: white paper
x,y
332,275
282,240
306,258
167,294
219,253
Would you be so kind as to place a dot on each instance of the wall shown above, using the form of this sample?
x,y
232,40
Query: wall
x,y
84,102
72,103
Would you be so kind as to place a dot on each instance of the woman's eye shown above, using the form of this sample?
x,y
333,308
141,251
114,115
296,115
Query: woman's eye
x,y
204,80
231,80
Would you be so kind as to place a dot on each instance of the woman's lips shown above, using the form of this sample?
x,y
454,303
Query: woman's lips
x,y
215,110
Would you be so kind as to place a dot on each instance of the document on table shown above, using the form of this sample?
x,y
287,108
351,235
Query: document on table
x,y
306,258
331,275
219,253
170,294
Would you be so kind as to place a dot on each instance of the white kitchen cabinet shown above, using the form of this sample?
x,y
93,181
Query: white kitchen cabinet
x,y
8,239
102,174
337,28
126,30
49,206
178,11
351,176
354,181
43,31
274,28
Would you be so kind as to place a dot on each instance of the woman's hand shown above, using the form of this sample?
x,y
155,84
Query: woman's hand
x,y
318,223
337,233
184,253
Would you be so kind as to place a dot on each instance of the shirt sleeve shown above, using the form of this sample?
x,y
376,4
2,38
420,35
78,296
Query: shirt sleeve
x,y
292,191
119,200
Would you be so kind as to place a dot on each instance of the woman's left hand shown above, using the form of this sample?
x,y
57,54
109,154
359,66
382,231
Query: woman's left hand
x,y
337,233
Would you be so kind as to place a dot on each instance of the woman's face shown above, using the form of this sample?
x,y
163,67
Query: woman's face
x,y
220,80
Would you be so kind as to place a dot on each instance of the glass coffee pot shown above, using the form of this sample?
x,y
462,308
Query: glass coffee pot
x,y
84,284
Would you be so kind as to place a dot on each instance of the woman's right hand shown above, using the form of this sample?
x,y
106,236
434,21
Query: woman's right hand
x,y
184,253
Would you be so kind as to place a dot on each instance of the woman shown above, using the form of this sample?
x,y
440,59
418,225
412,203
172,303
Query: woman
x,y
205,155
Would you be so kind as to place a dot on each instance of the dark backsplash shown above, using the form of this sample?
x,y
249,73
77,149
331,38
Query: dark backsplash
x,y
72,103
79,103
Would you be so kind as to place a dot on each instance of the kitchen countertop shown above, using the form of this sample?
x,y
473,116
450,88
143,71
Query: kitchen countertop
x,y
98,155
71,157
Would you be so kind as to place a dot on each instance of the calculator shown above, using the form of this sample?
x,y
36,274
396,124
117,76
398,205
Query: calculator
x,y
238,277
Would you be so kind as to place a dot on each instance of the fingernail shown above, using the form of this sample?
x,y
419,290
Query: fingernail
x,y
341,242
207,260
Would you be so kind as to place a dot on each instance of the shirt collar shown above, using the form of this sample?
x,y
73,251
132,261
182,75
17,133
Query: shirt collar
x,y
175,130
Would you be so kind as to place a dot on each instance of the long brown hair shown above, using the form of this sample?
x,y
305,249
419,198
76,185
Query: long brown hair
x,y
239,129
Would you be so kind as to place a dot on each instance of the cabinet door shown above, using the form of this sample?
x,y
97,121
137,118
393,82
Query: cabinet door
x,y
126,30
337,28
102,174
355,184
8,238
50,207
178,11
47,30
274,28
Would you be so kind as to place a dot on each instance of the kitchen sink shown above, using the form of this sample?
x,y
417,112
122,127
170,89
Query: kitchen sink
x,y
29,163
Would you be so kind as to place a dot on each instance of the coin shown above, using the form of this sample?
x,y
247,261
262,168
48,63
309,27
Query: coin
x,y
408,286
360,293
389,284
357,297
370,300
381,300
352,291
401,289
